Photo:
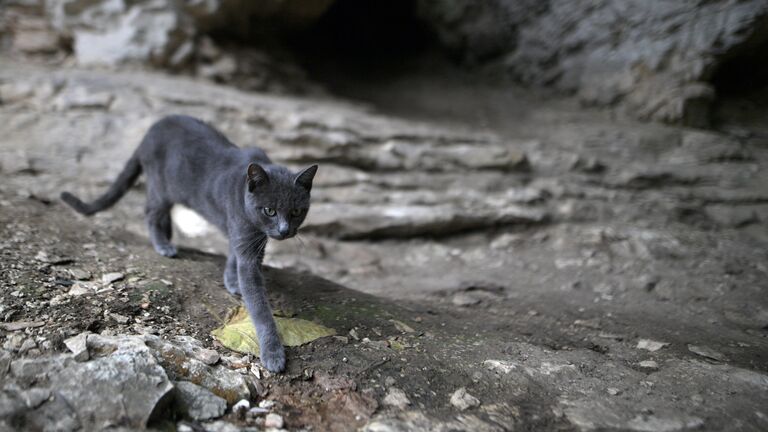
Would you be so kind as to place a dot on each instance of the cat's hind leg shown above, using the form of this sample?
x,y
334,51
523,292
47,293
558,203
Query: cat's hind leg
x,y
230,275
158,215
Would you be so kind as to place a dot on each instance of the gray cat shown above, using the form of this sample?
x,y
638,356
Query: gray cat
x,y
239,190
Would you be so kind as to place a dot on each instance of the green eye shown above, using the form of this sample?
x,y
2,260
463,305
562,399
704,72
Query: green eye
x,y
269,211
296,212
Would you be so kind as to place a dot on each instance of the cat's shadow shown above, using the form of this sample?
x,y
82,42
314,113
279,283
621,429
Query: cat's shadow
x,y
196,255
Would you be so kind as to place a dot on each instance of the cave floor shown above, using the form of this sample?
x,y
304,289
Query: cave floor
x,y
570,270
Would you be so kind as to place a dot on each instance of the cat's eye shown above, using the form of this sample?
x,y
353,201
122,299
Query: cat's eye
x,y
296,212
269,211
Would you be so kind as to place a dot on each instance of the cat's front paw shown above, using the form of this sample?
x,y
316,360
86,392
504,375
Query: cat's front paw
x,y
167,250
273,359
230,282
233,288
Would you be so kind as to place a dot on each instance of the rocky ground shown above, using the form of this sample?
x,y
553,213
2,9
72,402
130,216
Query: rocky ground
x,y
487,265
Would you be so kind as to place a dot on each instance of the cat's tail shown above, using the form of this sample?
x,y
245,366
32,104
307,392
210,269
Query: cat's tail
x,y
124,181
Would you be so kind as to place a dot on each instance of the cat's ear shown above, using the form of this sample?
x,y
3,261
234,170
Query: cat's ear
x,y
305,177
256,176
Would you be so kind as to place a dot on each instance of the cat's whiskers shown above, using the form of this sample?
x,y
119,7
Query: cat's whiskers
x,y
254,247
301,242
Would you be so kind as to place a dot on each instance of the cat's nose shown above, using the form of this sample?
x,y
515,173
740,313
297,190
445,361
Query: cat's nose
x,y
284,230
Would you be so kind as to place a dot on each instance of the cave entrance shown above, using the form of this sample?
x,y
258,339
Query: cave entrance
x,y
364,39
382,53
358,50
741,85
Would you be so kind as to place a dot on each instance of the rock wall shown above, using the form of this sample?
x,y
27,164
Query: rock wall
x,y
654,58
161,32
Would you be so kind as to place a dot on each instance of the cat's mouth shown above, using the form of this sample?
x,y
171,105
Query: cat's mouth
x,y
279,236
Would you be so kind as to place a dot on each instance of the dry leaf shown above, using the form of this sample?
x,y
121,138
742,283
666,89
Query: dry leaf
x,y
238,334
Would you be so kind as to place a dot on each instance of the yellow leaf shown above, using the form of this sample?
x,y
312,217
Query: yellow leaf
x,y
238,334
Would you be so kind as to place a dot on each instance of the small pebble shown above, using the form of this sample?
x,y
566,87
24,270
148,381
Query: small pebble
x,y
78,345
80,274
707,352
256,411
462,400
81,288
477,376
208,356
241,406
121,319
267,404
273,421
109,278
464,300
649,282
27,345
651,345
396,397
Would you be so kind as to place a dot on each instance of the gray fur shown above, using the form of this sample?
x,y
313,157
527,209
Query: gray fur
x,y
188,162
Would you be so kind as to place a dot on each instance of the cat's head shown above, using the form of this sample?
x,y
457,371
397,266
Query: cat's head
x,y
277,200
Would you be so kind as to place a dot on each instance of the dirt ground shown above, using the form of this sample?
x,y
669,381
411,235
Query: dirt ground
x,y
605,275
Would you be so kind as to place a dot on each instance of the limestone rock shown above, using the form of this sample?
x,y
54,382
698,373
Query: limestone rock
x,y
397,398
351,221
273,421
35,397
81,288
108,278
75,97
462,400
241,407
180,364
599,414
431,153
79,346
221,426
500,366
5,362
20,325
651,345
123,376
80,274
197,402
707,352
464,299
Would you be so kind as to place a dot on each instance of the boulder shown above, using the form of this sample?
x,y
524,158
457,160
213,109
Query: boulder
x,y
122,376
110,377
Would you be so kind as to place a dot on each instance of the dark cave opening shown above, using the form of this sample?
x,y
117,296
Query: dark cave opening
x,y
741,85
354,47
364,40
743,73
